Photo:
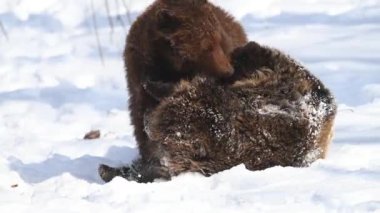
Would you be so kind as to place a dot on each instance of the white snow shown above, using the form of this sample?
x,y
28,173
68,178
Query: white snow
x,y
54,89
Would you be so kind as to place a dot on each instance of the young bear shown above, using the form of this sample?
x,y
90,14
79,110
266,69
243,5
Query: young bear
x,y
272,112
174,40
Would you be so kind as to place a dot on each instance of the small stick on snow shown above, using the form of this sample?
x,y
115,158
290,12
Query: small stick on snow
x,y
128,12
110,21
2,28
97,33
94,134
346,110
118,16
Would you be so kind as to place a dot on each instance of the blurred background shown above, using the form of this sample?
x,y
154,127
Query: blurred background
x,y
74,45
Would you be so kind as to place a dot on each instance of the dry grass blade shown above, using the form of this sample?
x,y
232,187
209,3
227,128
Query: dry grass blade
x,y
2,28
128,11
110,21
100,51
119,18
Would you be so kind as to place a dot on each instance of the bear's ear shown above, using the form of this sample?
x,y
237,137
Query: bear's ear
x,y
185,2
199,2
167,21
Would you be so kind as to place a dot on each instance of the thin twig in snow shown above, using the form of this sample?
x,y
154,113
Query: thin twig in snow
x,y
96,32
128,11
2,28
110,21
118,16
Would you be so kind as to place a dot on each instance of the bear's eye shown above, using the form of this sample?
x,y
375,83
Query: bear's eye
x,y
167,21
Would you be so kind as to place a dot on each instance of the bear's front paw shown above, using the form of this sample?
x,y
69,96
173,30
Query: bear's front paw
x,y
107,173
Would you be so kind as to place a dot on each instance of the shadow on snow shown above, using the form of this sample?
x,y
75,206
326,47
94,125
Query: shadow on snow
x,y
84,168
66,93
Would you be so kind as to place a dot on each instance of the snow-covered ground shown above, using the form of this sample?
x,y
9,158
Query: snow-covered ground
x,y
54,88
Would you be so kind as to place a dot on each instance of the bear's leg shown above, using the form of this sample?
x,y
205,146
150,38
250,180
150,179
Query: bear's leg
x,y
140,104
107,173
140,101
140,171
144,171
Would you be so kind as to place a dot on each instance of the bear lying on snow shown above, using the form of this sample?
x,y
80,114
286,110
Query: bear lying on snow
x,y
174,40
272,111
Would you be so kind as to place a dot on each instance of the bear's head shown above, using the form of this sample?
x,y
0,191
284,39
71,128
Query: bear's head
x,y
181,107
194,37
249,59
192,118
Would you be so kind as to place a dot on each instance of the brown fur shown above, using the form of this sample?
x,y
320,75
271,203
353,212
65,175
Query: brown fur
x,y
174,40
273,112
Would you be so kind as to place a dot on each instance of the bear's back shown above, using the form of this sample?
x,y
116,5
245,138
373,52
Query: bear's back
x,y
280,116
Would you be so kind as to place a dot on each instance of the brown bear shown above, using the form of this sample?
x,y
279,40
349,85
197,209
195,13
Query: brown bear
x,y
272,112
174,40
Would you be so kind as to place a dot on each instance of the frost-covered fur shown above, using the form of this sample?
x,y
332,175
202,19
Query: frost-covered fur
x,y
272,112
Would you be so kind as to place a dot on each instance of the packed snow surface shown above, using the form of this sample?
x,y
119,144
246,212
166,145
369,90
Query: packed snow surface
x,y
54,88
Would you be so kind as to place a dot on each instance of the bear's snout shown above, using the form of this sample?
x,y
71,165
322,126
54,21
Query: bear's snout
x,y
219,63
